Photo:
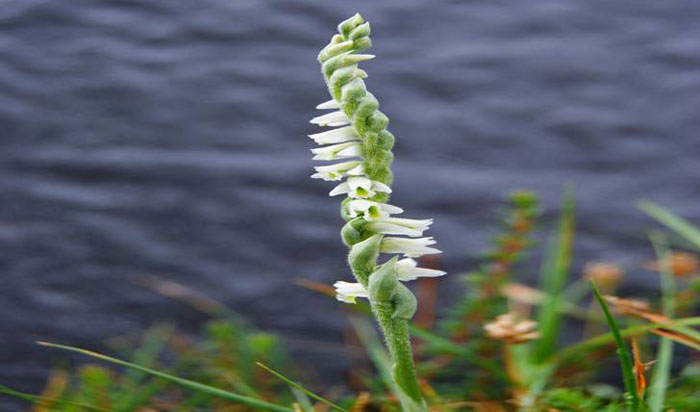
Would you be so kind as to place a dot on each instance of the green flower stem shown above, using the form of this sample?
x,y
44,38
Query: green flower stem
x,y
398,340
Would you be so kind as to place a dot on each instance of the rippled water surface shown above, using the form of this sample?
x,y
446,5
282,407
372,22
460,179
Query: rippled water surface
x,y
168,138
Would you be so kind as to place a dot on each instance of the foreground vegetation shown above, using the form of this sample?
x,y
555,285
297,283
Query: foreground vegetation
x,y
498,348
471,357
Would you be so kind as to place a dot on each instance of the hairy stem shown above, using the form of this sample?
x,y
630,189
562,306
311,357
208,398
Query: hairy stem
x,y
399,344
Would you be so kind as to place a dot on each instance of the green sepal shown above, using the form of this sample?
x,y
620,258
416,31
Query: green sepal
x,y
383,175
351,95
347,25
332,64
340,78
367,106
334,49
380,197
345,209
363,258
377,165
363,30
383,282
405,302
385,140
353,231
385,288
377,122
362,43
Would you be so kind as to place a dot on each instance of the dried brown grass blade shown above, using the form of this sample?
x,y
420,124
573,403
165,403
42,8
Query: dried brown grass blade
x,y
639,368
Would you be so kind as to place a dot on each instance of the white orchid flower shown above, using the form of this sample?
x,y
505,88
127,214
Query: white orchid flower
x,y
337,151
347,292
330,104
360,188
408,270
339,135
409,247
338,170
331,119
371,210
400,226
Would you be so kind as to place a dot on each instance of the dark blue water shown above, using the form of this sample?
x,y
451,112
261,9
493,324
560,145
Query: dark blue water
x,y
168,138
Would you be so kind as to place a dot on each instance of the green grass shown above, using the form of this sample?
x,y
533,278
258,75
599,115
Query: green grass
x,y
185,383
623,354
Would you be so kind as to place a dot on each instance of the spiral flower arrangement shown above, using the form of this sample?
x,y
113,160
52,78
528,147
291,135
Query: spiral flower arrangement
x,y
359,139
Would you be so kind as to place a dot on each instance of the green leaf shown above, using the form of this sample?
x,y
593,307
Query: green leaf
x,y
300,388
257,403
555,272
679,225
376,352
607,338
134,392
35,399
622,353
664,355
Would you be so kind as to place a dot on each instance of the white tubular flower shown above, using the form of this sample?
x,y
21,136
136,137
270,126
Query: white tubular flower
x,y
338,171
399,226
331,119
360,188
347,292
371,210
408,270
330,104
409,247
337,151
339,135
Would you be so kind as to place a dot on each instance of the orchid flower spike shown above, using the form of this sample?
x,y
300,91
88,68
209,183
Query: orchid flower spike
x,y
358,138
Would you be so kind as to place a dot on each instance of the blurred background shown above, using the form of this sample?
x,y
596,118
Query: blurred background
x,y
168,139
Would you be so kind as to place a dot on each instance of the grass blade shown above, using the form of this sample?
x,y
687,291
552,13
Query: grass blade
x,y
300,388
555,273
134,392
256,403
664,355
36,399
608,338
622,353
376,352
302,400
679,225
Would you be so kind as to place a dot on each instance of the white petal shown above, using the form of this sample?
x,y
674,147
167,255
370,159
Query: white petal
x,y
340,189
360,187
391,209
356,182
418,224
389,229
331,104
399,226
350,151
336,171
339,135
336,151
347,292
371,210
408,270
356,58
409,247
380,187
331,119
359,170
